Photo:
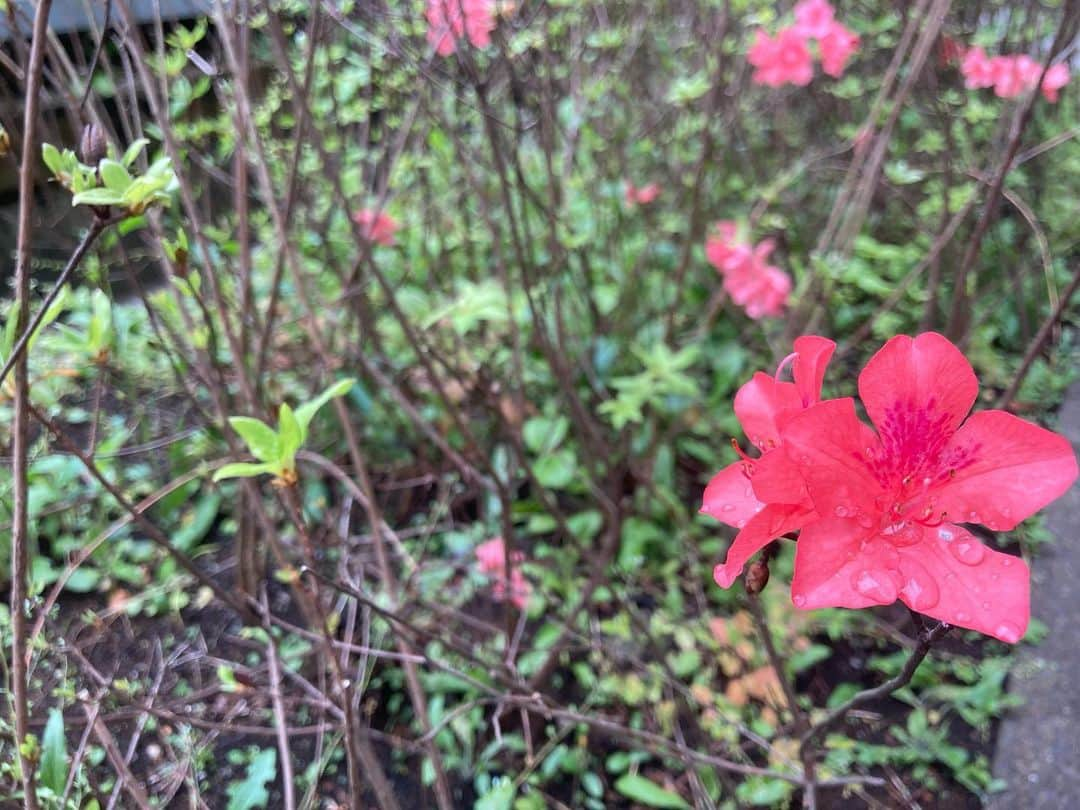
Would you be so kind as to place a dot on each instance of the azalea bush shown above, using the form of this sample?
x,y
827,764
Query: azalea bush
x,y
452,403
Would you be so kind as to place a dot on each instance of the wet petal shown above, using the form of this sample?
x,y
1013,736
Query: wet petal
x,y
763,405
977,587
838,565
999,469
835,453
777,479
772,522
729,497
917,390
812,355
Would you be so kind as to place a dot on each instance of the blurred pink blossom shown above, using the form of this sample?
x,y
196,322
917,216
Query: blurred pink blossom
x,y
452,20
1056,78
977,69
780,60
491,561
836,47
377,226
813,18
640,196
753,284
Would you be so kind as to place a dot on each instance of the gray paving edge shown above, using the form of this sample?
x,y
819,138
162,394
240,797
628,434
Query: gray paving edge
x,y
1038,745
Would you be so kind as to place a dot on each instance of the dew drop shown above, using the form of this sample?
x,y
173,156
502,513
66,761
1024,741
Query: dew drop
x,y
962,616
740,523
1008,632
946,534
1006,563
875,585
973,516
842,511
968,551
865,520
920,591
799,600
728,507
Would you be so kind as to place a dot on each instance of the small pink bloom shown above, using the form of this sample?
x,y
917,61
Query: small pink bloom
x,y
813,18
1056,78
977,69
377,227
837,46
491,561
753,284
640,196
780,60
1009,76
452,20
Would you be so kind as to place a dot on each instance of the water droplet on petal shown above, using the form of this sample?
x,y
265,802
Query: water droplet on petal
x,y
875,585
865,520
920,591
740,523
961,616
842,511
946,534
799,600
1006,563
969,551
1008,632
973,516
728,507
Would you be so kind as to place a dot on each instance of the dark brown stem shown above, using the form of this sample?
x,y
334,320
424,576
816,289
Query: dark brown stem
x,y
20,534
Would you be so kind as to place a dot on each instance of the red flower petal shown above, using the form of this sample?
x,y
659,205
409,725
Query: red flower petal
x,y
763,405
729,497
953,577
836,567
812,355
917,388
773,521
777,479
831,447
1006,469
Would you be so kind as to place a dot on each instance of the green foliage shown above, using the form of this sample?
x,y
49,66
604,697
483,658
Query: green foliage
x,y
251,793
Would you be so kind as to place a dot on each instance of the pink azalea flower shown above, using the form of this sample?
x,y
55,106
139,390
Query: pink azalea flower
x,y
813,18
837,46
780,60
377,227
977,69
742,494
889,501
491,561
1055,79
640,196
452,20
758,287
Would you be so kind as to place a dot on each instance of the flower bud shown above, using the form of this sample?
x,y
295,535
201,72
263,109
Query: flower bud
x,y
92,145
757,576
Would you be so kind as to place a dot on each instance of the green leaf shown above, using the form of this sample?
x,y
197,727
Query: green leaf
x,y
290,435
51,155
54,753
98,196
556,470
132,151
242,470
500,797
645,791
252,792
306,412
259,437
113,175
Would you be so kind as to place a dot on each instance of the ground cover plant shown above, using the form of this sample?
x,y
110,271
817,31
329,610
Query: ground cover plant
x,y
467,403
